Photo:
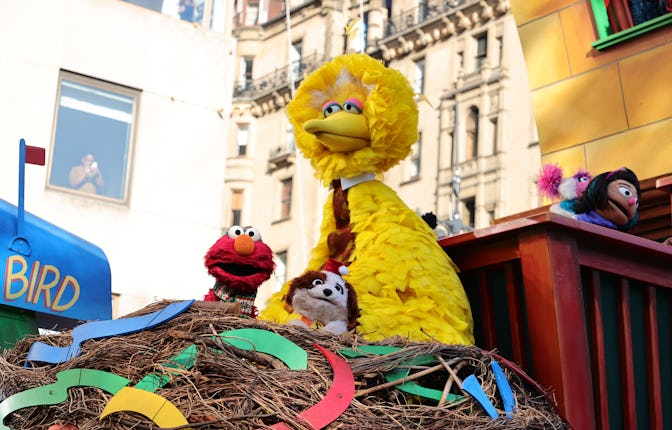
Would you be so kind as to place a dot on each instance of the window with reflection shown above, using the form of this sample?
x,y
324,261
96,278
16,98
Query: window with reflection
x,y
236,207
481,50
295,56
280,271
412,163
208,13
285,198
242,138
93,137
245,72
617,21
419,76
471,147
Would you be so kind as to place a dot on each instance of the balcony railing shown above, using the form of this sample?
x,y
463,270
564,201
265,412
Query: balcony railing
x,y
280,157
585,310
278,79
411,18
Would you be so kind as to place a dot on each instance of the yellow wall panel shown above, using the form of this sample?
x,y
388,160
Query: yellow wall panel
x,y
578,110
570,159
647,85
646,150
528,10
544,50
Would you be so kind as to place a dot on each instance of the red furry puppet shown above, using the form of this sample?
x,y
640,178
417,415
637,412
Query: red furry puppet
x,y
240,262
324,298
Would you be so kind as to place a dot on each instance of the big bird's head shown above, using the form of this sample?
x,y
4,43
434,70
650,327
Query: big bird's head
x,y
353,115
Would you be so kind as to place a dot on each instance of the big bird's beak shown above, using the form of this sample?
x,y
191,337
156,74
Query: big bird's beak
x,y
341,131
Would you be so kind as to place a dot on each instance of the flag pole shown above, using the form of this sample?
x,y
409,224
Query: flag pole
x,y
19,242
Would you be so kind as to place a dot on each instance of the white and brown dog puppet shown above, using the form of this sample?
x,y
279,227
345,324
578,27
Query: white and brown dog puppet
x,y
324,298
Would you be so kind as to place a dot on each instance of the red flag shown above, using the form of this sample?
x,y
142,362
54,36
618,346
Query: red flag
x,y
35,155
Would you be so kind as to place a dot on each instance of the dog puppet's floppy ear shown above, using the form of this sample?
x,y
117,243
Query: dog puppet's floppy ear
x,y
303,281
353,307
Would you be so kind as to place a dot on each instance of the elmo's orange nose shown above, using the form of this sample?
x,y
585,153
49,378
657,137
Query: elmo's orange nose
x,y
243,245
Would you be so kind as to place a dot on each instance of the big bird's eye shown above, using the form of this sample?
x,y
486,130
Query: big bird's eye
x,y
331,108
353,106
625,191
235,231
253,233
317,282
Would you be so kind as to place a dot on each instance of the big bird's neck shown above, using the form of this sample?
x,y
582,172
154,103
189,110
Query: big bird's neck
x,y
357,179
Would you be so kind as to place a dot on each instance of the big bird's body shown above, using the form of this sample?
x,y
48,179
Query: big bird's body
x,y
354,118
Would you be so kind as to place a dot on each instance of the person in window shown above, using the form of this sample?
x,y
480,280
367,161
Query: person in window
x,y
86,177
186,10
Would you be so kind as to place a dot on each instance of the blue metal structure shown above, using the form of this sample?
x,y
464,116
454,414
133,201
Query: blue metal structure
x,y
47,269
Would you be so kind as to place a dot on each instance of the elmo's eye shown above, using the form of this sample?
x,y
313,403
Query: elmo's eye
x,y
353,106
331,108
625,191
317,282
253,233
234,231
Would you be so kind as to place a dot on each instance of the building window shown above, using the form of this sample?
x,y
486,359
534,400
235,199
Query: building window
x,y
495,133
470,211
357,38
419,76
93,137
625,19
252,13
191,10
412,163
285,198
236,207
290,140
242,138
281,267
500,50
471,147
295,55
481,50
245,73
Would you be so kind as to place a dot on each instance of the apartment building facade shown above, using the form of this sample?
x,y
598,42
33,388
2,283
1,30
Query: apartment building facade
x,y
477,156
142,90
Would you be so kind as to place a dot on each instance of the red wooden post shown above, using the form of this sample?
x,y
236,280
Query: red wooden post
x,y
487,312
627,358
653,360
515,317
598,349
557,326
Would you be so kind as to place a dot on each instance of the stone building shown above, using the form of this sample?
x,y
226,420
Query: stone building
x,y
144,92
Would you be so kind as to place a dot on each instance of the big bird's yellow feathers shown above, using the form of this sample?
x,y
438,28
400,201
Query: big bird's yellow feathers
x,y
354,118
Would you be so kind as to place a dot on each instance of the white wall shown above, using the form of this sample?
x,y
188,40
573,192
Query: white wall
x,y
155,242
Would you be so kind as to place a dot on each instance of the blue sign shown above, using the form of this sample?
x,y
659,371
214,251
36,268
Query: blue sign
x,y
53,271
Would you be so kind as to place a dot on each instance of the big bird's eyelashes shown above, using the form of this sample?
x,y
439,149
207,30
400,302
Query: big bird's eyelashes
x,y
351,105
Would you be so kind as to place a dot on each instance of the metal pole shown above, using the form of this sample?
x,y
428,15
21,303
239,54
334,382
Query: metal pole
x,y
299,176
456,222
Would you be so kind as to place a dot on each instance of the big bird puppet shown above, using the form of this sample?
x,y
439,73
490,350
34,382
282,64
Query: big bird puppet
x,y
354,118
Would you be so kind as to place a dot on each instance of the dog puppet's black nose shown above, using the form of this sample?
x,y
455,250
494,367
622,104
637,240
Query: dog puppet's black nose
x,y
327,292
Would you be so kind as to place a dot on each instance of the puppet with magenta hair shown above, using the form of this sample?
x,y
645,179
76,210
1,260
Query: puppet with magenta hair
x,y
611,200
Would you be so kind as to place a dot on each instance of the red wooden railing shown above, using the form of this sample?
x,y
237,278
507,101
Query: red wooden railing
x,y
585,310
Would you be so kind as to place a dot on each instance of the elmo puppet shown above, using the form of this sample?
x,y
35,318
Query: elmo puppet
x,y
240,262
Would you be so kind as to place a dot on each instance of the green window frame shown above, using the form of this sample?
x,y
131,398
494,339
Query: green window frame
x,y
607,38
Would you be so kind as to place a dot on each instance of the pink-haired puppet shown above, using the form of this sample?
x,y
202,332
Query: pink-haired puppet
x,y
565,191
